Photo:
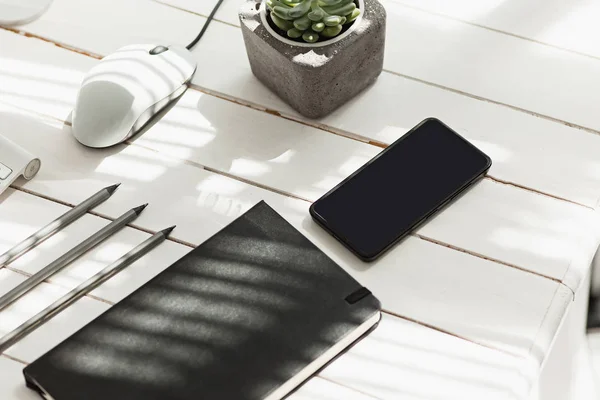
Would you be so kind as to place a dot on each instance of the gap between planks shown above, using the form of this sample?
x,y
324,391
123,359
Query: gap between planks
x,y
14,359
370,396
496,102
327,128
28,275
57,44
435,328
479,255
196,13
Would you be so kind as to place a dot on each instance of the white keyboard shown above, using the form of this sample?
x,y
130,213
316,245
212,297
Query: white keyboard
x,y
14,162
4,171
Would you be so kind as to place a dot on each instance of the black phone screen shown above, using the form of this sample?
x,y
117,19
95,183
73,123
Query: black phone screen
x,y
407,182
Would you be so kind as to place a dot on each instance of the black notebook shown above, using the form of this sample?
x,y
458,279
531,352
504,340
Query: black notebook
x,y
250,314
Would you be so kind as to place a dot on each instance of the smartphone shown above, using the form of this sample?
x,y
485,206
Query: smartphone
x,y
400,188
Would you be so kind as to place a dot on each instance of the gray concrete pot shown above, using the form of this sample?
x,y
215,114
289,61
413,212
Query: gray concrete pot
x,y
315,78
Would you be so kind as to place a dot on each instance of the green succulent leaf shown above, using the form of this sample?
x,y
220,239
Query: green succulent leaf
x,y
302,24
332,20
276,3
318,27
339,9
337,3
310,36
352,16
316,15
283,13
312,19
331,31
281,23
294,33
301,9
326,3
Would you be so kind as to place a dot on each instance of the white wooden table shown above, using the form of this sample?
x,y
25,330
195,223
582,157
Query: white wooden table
x,y
486,301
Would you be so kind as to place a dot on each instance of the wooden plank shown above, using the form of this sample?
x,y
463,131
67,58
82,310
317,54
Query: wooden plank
x,y
403,360
12,383
12,386
526,149
508,370
530,231
428,361
484,63
54,331
474,368
481,300
584,382
296,159
516,141
398,360
321,389
514,226
153,23
228,11
554,383
571,25
594,353
507,69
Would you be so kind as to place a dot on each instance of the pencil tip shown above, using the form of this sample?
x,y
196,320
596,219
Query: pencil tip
x,y
111,189
167,231
138,210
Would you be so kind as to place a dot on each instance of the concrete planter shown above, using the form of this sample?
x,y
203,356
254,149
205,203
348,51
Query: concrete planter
x,y
315,78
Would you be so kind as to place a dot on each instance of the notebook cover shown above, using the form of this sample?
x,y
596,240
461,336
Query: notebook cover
x,y
232,320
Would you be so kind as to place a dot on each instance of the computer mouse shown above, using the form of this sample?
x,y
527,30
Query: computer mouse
x,y
126,89
21,12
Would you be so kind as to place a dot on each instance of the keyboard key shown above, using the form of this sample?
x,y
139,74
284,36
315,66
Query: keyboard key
x,y
4,171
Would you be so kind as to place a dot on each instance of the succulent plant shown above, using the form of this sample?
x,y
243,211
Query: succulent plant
x,y
312,19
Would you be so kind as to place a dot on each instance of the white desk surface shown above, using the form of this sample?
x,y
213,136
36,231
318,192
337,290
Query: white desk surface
x,y
472,300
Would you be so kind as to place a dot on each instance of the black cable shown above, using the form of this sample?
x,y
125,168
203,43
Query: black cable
x,y
205,27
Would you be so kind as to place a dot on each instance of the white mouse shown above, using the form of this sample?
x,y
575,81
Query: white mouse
x,y
21,12
126,89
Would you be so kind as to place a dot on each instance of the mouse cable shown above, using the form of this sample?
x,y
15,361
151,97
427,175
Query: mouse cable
x,y
205,27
